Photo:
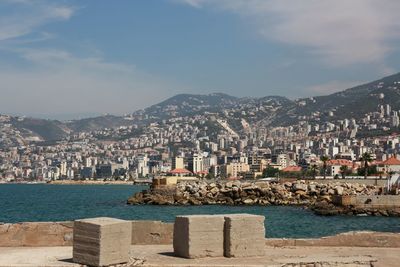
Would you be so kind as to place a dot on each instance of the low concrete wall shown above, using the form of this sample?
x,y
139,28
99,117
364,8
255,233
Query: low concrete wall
x,y
49,234
350,239
369,181
37,234
378,201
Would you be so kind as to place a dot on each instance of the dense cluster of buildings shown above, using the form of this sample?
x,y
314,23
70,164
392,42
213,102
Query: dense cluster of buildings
x,y
206,146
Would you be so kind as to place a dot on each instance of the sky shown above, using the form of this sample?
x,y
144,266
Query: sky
x,y
77,58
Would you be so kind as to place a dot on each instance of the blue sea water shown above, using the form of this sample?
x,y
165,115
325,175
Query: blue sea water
x,y
42,202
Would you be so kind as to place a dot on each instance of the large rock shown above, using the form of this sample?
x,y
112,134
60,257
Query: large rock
x,y
214,190
339,190
248,201
312,188
299,186
331,191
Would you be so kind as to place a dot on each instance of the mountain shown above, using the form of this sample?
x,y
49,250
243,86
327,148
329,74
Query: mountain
x,y
350,103
48,130
189,104
97,123
54,130
261,112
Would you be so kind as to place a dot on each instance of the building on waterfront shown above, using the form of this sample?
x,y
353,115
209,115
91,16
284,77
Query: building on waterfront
x,y
143,166
105,170
235,169
87,172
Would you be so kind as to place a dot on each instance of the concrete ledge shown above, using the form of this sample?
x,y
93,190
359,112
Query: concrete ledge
x,y
374,202
36,234
350,239
42,234
160,255
49,234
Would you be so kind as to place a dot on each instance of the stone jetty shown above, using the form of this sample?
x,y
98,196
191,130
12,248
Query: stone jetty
x,y
320,197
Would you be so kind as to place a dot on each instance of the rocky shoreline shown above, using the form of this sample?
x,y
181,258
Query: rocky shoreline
x,y
319,197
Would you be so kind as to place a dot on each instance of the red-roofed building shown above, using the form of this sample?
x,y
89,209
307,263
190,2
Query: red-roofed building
x,y
392,164
292,169
179,172
391,161
340,162
334,166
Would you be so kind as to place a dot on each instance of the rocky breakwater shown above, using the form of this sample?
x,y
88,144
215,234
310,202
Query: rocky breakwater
x,y
320,197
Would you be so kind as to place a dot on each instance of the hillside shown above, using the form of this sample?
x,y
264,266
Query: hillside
x,y
264,111
351,103
48,130
97,123
188,104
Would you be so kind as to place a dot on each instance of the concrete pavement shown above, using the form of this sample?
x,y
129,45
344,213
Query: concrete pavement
x,y
162,255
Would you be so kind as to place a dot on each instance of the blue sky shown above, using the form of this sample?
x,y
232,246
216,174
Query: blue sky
x,y
79,58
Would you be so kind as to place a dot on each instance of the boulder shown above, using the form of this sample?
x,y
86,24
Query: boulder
x,y
225,190
248,201
339,190
331,191
212,185
312,188
299,186
300,192
214,190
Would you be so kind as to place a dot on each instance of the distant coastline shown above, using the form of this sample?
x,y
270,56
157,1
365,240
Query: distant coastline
x,y
90,182
75,182
22,182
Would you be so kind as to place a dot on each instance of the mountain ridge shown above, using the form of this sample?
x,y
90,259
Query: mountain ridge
x,y
263,111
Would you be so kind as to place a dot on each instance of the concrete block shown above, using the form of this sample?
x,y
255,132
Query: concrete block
x,y
198,236
244,235
101,241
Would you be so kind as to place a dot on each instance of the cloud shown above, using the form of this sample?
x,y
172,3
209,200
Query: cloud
x,y
340,32
47,80
24,17
193,3
55,81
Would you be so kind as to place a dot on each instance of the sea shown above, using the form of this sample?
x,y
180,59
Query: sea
x,y
46,202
